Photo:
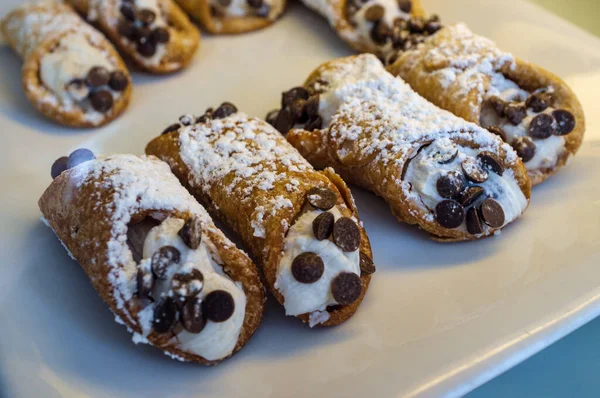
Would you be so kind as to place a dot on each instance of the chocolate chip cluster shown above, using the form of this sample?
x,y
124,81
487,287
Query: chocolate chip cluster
x,y
76,157
181,306
224,110
97,87
406,34
136,25
299,108
308,267
258,7
542,126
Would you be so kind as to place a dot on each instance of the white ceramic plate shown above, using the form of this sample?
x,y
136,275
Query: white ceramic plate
x,y
439,319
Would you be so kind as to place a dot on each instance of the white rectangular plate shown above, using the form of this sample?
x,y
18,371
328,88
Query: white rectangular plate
x,y
439,319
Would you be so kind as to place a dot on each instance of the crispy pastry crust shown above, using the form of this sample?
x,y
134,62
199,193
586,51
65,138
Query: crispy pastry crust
x,y
365,171
229,207
32,56
183,43
200,11
417,72
84,227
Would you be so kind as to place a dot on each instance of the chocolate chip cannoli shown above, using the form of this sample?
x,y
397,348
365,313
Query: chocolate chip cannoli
x,y
155,34
452,178
300,225
233,16
529,107
71,72
373,26
154,255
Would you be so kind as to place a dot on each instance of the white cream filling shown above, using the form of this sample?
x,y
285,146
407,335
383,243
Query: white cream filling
x,y
424,171
218,339
392,12
72,59
547,150
241,8
302,298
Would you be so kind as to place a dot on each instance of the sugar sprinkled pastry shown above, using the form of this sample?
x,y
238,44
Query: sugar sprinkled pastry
x,y
71,72
156,34
452,178
154,255
375,26
527,106
233,16
301,225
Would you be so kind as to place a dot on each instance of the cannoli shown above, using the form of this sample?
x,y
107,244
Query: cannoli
x,y
300,225
154,255
452,178
71,72
233,16
529,107
155,34
372,26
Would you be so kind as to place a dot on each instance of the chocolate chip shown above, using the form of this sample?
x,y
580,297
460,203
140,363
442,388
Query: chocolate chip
x,y
525,148
321,198
118,81
128,11
101,100
126,29
498,131
192,316
296,93
142,35
187,120
224,3
191,232
538,102
255,3
163,260
497,105
218,306
146,48
284,122
314,124
59,166
271,117
405,5
381,33
473,222
264,11
367,266
311,106
145,282
432,27
307,267
445,156
98,76
450,185
171,128
224,110
449,213
323,225
146,16
492,162
542,126
165,316
416,24
187,284
160,35
346,288
79,156
374,13
206,117
565,121
297,111
346,234
470,195
474,171
515,113
492,213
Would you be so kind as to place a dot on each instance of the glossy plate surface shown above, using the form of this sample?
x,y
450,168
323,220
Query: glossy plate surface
x,y
439,319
